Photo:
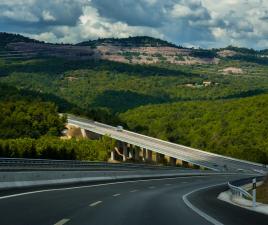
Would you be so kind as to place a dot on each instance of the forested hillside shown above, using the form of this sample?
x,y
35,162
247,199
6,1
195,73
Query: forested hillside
x,y
32,129
116,87
212,99
237,128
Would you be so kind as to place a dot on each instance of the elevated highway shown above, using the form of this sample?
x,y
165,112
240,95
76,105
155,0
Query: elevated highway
x,y
163,148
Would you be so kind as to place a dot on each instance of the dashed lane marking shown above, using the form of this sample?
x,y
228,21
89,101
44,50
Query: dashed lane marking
x,y
63,221
95,203
115,195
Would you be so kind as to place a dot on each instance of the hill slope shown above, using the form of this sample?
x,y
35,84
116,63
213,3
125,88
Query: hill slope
x,y
78,80
236,128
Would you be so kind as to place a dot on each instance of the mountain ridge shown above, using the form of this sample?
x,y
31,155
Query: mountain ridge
x,y
131,50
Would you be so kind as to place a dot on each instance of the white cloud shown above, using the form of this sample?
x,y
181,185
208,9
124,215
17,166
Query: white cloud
x,y
47,16
205,23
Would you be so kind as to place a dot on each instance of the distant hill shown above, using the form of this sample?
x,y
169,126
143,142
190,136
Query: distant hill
x,y
139,41
131,50
7,38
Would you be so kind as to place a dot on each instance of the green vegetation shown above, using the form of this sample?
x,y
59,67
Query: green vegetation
x,y
179,58
115,87
29,119
201,53
235,128
164,100
140,41
6,38
31,129
55,148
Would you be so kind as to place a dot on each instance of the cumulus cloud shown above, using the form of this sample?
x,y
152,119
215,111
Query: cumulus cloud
x,y
205,23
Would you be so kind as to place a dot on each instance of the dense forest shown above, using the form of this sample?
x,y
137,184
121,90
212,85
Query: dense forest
x,y
49,147
198,105
30,126
32,129
237,128
140,41
116,87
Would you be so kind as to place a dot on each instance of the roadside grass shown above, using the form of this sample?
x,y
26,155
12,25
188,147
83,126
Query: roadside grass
x,y
262,192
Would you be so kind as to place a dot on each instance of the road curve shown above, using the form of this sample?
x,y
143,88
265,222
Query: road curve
x,y
132,203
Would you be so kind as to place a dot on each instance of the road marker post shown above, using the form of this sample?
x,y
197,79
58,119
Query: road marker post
x,y
254,192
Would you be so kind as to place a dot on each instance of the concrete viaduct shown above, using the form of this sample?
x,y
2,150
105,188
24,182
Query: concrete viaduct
x,y
136,147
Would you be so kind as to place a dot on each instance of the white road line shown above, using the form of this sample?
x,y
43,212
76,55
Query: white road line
x,y
184,182
100,185
63,221
151,187
198,211
95,203
167,184
132,191
115,195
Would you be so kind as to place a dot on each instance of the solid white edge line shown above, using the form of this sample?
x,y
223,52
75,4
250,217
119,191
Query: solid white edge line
x,y
198,211
93,185
63,221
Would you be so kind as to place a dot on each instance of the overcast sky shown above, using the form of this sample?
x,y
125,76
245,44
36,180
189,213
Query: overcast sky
x,y
199,23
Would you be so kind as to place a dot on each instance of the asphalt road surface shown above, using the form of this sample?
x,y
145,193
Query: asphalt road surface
x,y
128,203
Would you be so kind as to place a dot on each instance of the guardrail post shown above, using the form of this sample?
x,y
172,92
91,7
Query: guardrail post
x,y
254,192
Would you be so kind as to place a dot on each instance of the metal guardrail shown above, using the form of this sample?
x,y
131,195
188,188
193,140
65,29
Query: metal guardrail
x,y
237,190
15,163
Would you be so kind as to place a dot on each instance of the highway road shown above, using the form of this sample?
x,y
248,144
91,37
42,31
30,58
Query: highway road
x,y
198,157
161,201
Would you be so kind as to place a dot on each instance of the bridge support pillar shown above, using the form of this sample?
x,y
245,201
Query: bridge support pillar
x,y
172,161
90,135
143,154
125,155
160,158
112,155
130,153
197,167
84,133
185,164
137,154
149,157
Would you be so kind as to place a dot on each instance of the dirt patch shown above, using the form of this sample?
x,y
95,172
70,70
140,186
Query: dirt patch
x,y
232,70
262,192
227,53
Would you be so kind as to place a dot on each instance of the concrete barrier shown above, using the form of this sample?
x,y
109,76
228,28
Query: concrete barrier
x,y
10,180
